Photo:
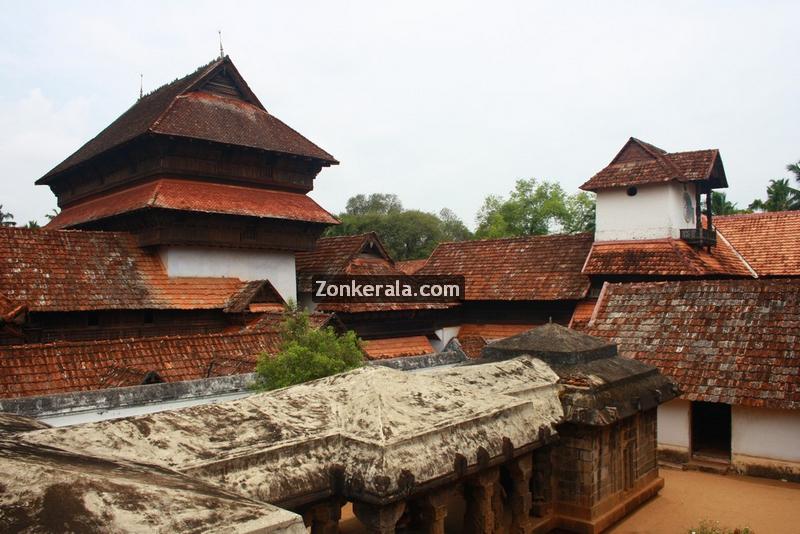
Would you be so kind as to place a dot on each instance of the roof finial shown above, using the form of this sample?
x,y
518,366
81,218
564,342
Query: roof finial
x,y
141,85
221,52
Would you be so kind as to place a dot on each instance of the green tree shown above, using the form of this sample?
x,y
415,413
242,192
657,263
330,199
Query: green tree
x,y
720,205
307,353
453,228
6,218
52,215
794,168
407,234
32,225
535,208
581,208
374,203
780,197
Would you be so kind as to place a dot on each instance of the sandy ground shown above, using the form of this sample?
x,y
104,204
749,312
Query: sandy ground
x,y
688,497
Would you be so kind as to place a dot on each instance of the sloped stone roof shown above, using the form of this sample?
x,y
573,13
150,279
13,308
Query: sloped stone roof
x,y
372,434
50,490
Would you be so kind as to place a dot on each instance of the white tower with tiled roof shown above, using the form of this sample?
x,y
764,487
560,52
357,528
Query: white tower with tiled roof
x,y
647,193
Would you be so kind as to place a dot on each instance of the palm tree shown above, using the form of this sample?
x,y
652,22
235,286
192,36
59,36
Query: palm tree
x,y
780,197
32,225
6,219
720,205
794,168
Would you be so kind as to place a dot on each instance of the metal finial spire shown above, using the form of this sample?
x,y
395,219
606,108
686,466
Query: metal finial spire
x,y
141,85
221,52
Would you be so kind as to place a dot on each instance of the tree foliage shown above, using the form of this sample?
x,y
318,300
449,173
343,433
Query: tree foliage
x,y
780,197
6,218
720,205
407,234
535,208
307,353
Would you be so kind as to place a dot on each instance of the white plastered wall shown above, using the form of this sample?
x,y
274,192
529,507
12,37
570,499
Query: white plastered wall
x,y
673,424
275,266
764,433
444,336
655,212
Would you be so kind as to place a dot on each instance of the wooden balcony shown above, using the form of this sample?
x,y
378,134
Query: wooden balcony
x,y
699,238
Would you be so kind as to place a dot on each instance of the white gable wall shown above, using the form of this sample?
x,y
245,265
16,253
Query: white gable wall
x,y
276,266
655,212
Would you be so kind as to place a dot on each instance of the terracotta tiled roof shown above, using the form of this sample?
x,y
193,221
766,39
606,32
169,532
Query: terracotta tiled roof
x,y
663,257
378,349
70,271
351,254
729,341
521,268
183,109
769,242
367,307
493,331
10,309
258,294
12,313
582,313
204,197
642,163
410,266
272,321
46,369
472,345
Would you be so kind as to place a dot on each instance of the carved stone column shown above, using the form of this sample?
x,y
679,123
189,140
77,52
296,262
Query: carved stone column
x,y
521,499
433,511
379,519
323,518
479,494
542,480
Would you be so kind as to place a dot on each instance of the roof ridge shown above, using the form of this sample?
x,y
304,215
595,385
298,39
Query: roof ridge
x,y
119,341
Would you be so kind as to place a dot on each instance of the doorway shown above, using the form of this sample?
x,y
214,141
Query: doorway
x,y
711,431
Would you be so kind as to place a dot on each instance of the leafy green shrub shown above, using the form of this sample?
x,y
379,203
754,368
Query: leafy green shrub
x,y
307,353
714,527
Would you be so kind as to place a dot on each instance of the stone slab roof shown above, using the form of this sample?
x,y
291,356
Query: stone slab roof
x,y
372,434
598,386
50,490
728,341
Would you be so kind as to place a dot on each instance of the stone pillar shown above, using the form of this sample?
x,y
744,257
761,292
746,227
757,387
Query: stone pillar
x,y
479,494
521,499
323,518
379,519
541,482
433,511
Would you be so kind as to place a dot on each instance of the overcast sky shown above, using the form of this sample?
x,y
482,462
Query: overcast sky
x,y
441,103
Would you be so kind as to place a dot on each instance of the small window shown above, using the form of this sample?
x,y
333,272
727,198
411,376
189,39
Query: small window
x,y
93,319
632,191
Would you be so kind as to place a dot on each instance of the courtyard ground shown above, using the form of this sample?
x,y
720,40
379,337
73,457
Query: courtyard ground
x,y
765,506
689,497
